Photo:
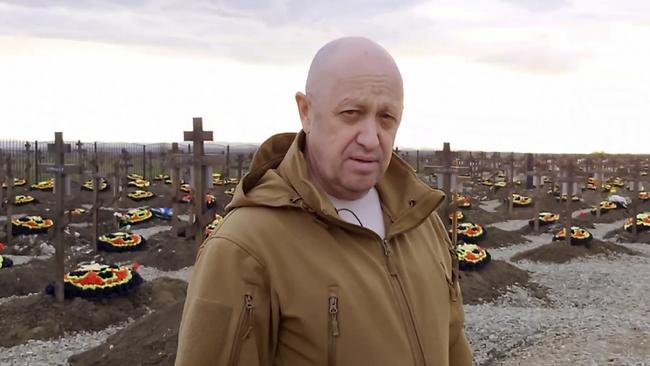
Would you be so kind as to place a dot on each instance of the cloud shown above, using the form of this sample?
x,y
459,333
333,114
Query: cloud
x,y
290,31
540,5
534,58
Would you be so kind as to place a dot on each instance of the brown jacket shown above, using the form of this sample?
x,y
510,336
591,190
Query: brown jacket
x,y
284,281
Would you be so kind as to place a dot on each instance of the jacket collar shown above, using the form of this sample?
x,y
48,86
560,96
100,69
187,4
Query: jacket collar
x,y
278,177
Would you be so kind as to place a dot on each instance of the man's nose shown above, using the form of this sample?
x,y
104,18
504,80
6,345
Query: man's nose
x,y
368,135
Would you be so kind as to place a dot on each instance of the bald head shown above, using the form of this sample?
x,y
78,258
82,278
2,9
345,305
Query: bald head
x,y
350,112
349,56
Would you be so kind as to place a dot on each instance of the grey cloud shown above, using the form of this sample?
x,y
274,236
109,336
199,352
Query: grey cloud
x,y
252,31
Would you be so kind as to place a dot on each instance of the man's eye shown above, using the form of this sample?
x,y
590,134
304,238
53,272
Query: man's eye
x,y
350,112
388,117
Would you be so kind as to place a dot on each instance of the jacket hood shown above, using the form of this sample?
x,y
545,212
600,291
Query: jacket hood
x,y
278,178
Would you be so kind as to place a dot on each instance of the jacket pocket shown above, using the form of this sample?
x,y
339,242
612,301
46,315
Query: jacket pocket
x,y
244,337
333,324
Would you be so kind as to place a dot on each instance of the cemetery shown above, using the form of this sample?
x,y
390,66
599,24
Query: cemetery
x,y
98,243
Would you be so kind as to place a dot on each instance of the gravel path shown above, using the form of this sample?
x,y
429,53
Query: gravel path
x,y
600,312
150,273
489,206
510,225
55,352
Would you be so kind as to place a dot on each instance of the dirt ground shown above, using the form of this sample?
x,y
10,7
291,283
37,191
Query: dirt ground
x,y
25,279
151,340
494,280
560,252
497,238
39,316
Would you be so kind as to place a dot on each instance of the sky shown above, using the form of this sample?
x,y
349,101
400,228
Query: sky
x,y
560,76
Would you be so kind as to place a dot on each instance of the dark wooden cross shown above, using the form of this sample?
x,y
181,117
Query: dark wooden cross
x,y
61,171
80,152
226,168
570,178
240,165
449,175
7,176
200,164
122,172
28,162
540,171
633,174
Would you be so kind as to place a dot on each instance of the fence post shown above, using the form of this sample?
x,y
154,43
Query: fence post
x,y
36,168
144,162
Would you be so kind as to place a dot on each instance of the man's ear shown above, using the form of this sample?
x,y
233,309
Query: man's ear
x,y
303,110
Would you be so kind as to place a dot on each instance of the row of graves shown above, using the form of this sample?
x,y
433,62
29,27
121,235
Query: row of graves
x,y
495,203
80,241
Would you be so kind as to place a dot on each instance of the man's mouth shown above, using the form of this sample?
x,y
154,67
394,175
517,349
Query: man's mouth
x,y
364,159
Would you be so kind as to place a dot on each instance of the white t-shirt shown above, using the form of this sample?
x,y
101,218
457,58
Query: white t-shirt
x,y
365,211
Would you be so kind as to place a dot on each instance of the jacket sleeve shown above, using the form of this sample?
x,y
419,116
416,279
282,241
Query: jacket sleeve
x,y
227,317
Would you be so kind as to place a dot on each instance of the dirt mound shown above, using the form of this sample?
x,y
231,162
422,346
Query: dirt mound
x,y
40,317
623,236
25,279
494,280
163,251
498,238
559,252
611,216
151,340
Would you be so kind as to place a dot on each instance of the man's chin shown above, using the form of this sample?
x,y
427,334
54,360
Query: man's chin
x,y
360,187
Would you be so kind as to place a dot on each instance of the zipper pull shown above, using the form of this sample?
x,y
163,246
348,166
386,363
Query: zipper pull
x,y
248,305
334,310
248,302
388,253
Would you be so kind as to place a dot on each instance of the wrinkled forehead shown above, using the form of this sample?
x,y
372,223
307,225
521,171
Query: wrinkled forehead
x,y
346,84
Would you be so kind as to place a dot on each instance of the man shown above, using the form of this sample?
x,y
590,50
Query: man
x,y
331,252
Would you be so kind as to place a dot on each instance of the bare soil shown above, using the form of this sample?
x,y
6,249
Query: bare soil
x,y
560,252
40,317
151,340
494,280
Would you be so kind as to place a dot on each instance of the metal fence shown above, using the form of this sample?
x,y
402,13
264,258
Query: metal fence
x,y
29,157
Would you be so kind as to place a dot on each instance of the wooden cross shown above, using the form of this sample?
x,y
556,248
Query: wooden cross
x,y
510,181
61,170
226,169
570,179
7,176
240,165
37,156
598,174
200,162
80,153
634,174
449,176
122,172
28,163
454,208
540,170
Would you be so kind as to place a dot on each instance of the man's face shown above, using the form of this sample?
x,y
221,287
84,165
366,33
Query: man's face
x,y
351,128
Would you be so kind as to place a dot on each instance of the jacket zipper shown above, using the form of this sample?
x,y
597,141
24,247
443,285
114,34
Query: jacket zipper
x,y
333,310
244,329
407,313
